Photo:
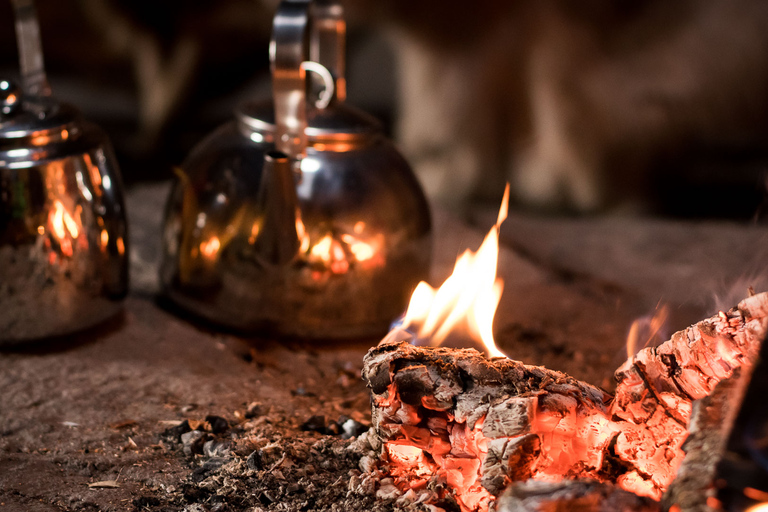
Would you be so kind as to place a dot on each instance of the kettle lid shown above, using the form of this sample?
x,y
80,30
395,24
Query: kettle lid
x,y
23,116
338,122
28,113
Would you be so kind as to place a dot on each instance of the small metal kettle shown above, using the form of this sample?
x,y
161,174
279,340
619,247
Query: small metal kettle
x,y
298,218
63,263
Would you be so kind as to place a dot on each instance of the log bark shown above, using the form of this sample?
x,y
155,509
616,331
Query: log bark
x,y
570,495
709,428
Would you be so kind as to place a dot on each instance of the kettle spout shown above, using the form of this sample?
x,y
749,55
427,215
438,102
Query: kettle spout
x,y
277,242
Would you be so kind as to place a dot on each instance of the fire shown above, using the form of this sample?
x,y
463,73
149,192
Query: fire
x,y
468,298
647,330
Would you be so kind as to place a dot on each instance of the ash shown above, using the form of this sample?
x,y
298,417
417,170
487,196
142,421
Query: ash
x,y
271,462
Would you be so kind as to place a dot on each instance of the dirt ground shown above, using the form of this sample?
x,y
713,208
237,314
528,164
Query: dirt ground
x,y
155,412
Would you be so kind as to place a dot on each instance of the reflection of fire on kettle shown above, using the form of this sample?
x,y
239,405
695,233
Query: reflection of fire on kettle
x,y
326,248
298,217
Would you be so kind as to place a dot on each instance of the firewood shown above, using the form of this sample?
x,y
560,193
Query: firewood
x,y
711,422
570,495
454,420
454,416
656,390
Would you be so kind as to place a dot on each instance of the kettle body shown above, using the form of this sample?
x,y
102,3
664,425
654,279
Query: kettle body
x,y
63,239
325,240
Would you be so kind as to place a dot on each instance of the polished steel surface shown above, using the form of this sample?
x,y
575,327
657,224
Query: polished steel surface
x,y
34,80
63,246
326,240
278,239
329,31
340,123
287,52
10,98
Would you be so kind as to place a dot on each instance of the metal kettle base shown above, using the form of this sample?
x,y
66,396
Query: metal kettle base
x,y
294,303
37,302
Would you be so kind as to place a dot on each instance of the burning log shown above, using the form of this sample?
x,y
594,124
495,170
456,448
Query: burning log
x,y
708,430
656,390
464,427
569,495
470,425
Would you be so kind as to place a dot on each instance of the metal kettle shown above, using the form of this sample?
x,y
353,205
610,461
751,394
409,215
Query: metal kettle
x,y
298,218
63,262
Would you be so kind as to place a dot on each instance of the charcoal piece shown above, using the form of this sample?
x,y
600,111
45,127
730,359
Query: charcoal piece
x,y
218,504
254,461
415,382
571,495
213,448
510,417
254,410
193,442
217,423
209,467
509,460
302,391
145,502
174,433
315,424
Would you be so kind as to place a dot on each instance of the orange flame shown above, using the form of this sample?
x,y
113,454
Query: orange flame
x,y
469,296
646,329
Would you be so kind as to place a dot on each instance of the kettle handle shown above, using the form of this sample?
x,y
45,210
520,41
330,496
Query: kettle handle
x,y
304,30
33,79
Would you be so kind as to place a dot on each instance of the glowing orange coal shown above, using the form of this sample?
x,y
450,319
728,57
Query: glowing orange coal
x,y
467,299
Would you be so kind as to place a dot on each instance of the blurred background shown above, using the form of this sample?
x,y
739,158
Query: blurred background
x,y
589,106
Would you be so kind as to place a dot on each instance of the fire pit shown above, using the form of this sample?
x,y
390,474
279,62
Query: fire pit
x,y
451,426
155,413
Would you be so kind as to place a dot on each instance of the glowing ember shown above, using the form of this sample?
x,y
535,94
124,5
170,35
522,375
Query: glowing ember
x,y
467,299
